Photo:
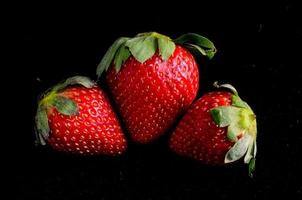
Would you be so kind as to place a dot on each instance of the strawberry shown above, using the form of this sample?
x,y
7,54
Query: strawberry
x,y
76,116
218,128
153,80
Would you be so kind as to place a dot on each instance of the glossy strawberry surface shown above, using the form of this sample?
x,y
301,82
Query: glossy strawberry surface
x,y
197,136
151,95
94,130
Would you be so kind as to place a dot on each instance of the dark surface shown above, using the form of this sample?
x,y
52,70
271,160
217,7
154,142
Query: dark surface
x,y
258,52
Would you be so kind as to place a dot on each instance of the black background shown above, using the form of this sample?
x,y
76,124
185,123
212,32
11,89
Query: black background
x,y
258,52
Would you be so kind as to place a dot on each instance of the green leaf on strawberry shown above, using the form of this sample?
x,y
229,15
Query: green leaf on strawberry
x,y
142,48
201,43
75,80
237,119
121,56
65,106
42,126
236,101
240,120
166,47
144,45
239,149
252,165
197,48
108,57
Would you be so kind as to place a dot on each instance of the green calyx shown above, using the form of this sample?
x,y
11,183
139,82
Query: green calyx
x,y
197,42
144,45
53,98
241,125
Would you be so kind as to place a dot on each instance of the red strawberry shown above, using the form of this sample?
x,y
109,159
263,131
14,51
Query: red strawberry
x,y
153,80
76,116
218,128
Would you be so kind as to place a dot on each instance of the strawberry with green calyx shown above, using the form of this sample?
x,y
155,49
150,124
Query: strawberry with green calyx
x,y
219,128
144,45
153,80
76,116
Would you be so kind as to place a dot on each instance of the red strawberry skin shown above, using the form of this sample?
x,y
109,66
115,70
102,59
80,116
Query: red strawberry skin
x,y
152,94
197,136
94,130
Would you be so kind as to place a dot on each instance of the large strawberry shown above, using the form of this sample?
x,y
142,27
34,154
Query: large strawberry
x,y
76,116
153,80
218,128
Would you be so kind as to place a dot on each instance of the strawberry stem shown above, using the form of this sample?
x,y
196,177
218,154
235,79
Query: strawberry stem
x,y
226,86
